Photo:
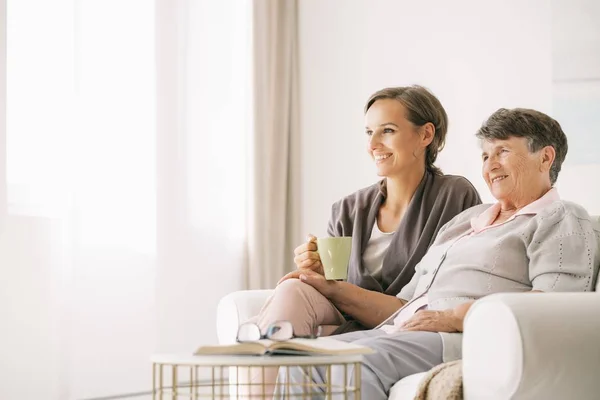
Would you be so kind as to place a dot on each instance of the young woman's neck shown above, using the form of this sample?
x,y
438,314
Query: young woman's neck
x,y
401,188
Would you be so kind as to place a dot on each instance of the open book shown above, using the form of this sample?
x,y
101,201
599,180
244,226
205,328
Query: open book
x,y
319,346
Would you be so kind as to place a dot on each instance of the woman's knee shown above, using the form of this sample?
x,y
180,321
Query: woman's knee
x,y
294,301
296,290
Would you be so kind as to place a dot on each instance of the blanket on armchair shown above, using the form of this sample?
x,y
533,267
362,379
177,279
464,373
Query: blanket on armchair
x,y
443,382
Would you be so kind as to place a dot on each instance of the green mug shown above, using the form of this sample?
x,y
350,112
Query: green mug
x,y
335,256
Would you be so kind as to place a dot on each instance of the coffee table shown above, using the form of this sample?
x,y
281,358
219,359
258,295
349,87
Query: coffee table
x,y
180,376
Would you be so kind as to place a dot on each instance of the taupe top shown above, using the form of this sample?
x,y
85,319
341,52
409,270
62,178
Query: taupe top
x,y
436,201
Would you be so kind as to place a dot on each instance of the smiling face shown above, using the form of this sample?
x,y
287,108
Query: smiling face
x,y
514,175
395,143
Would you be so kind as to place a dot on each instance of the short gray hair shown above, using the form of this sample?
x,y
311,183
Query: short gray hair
x,y
539,129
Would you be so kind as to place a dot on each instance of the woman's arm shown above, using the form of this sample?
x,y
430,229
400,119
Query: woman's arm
x,y
451,320
564,252
366,306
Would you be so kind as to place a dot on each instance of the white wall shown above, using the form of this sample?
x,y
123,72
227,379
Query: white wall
x,y
475,56
72,333
576,95
112,320
575,40
2,113
30,302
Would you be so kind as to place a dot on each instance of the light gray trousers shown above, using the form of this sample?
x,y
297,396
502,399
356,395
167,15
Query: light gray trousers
x,y
396,356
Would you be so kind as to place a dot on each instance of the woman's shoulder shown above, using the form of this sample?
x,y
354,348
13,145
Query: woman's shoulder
x,y
360,197
454,184
560,210
564,217
460,224
467,215
454,190
345,210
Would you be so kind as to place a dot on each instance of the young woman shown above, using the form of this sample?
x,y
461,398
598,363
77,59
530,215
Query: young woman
x,y
392,223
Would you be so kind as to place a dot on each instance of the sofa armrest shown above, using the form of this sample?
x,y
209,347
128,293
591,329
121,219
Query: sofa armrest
x,y
532,346
236,308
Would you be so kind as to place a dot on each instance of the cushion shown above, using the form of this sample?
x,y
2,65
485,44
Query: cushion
x,y
406,388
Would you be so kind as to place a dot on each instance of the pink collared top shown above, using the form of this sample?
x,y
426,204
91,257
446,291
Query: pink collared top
x,y
485,219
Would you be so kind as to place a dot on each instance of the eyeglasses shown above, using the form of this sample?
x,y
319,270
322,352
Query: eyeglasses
x,y
280,330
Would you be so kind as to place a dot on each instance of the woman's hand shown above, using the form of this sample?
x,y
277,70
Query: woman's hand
x,y
313,279
306,255
305,258
434,321
317,281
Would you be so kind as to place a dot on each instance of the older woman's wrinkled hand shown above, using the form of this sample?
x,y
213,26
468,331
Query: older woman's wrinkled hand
x,y
433,321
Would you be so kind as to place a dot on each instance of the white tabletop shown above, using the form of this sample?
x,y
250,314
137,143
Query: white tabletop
x,y
226,360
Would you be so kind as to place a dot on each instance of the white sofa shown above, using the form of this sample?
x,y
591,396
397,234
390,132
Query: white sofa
x,y
515,346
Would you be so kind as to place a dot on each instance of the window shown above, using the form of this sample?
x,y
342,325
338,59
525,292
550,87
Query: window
x,y
81,116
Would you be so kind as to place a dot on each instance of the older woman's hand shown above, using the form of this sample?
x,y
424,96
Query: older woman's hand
x,y
439,321
433,321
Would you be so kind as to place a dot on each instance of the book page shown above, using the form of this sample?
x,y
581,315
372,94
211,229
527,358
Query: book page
x,y
319,346
323,345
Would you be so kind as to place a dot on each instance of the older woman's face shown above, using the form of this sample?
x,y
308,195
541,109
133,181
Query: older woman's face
x,y
511,172
394,142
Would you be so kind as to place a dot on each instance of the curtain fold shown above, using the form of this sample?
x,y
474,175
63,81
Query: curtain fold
x,y
3,202
270,206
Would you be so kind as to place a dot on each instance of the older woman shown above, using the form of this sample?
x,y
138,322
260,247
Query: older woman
x,y
529,241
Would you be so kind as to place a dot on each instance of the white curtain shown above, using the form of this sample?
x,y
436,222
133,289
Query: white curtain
x,y
148,160
273,149
79,249
203,59
2,114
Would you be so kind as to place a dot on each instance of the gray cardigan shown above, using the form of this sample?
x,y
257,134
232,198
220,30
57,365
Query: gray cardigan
x,y
436,201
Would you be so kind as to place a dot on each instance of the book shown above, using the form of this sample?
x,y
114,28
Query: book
x,y
321,346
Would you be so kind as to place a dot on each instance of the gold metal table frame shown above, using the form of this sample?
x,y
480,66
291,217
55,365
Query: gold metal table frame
x,y
176,377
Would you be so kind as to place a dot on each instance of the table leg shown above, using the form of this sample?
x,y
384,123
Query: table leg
x,y
174,386
345,381
191,382
196,386
153,381
328,379
357,380
160,382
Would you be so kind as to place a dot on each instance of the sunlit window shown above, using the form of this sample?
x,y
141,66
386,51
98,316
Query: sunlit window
x,y
39,107
81,116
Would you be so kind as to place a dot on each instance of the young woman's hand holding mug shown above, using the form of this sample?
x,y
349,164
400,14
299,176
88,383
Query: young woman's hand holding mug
x,y
305,257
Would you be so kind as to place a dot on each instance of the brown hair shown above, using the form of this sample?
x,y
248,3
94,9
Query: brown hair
x,y
422,107
539,129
